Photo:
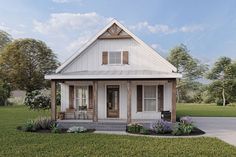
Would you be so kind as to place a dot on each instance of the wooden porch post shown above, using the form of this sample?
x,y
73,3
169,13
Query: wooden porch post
x,y
173,111
95,101
129,102
53,100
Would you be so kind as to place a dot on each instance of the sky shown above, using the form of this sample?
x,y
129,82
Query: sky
x,y
206,27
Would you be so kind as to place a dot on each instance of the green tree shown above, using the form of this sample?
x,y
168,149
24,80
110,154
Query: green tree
x,y
24,63
189,67
223,75
5,38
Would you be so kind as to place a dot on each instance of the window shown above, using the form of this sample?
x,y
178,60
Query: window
x,y
114,57
149,98
81,97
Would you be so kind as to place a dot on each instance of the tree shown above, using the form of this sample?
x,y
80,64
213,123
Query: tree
x,y
24,63
189,67
5,92
5,38
223,75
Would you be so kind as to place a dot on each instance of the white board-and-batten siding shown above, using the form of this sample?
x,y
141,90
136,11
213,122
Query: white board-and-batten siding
x,y
139,57
102,104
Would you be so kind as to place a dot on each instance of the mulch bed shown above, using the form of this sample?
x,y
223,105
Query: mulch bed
x,y
195,132
62,131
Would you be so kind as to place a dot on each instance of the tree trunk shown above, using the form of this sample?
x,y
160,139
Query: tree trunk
x,y
223,96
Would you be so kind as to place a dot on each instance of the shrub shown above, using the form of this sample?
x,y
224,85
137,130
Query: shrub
x,y
4,93
134,128
162,127
37,100
219,102
76,129
29,126
55,128
43,123
184,127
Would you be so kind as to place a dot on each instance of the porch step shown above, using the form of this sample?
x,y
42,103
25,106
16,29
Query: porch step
x,y
99,126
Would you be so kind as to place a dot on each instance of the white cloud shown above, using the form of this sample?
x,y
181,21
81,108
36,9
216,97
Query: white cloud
x,y
11,31
67,32
165,29
194,28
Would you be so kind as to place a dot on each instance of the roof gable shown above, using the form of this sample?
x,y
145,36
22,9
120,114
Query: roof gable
x,y
114,30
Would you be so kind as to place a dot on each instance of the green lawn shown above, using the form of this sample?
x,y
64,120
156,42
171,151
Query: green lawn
x,y
17,144
205,110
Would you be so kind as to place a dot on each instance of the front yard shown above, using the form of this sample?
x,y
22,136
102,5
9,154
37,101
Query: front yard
x,y
205,110
17,143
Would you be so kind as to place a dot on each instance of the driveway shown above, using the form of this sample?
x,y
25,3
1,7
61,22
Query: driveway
x,y
223,128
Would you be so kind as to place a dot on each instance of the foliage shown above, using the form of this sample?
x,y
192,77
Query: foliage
x,y
190,68
43,123
162,127
24,63
134,128
5,92
76,129
37,100
223,84
205,110
184,127
29,126
55,129
5,39
20,144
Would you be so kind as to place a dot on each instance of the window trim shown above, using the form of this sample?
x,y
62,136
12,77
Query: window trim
x,y
121,57
75,98
143,110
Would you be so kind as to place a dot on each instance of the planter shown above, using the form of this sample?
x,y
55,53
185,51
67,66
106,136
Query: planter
x,y
61,115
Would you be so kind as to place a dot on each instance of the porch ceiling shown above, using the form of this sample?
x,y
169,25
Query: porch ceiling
x,y
127,74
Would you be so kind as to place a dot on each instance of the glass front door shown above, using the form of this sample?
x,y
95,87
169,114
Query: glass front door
x,y
113,101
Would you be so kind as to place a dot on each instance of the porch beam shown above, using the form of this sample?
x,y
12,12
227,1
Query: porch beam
x,y
128,102
173,108
53,100
95,101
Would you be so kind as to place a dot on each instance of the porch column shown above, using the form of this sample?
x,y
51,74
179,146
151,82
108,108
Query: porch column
x,y
53,100
128,102
95,101
173,110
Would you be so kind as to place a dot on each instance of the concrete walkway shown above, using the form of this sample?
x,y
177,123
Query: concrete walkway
x,y
223,128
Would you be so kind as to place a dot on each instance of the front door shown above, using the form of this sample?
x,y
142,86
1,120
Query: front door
x,y
113,101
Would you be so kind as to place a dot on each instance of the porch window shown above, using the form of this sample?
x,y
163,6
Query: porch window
x,y
149,98
114,57
81,98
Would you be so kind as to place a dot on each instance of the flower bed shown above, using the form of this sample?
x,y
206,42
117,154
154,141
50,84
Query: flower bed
x,y
46,125
185,127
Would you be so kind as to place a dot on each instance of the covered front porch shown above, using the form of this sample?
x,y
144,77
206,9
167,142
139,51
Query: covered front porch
x,y
119,101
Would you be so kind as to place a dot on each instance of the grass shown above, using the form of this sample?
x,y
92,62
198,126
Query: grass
x,y
24,144
205,110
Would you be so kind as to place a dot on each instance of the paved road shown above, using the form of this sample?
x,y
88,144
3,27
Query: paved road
x,y
223,128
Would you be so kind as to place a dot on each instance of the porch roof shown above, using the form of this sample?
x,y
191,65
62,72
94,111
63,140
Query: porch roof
x,y
118,74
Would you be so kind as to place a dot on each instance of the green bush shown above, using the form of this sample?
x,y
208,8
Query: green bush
x,y
29,126
219,102
5,91
37,100
134,128
55,129
184,127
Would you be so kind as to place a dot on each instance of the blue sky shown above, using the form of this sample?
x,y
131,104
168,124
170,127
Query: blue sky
x,y
208,28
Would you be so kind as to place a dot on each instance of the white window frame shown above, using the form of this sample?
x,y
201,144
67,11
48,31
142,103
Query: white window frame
x,y
149,98
75,98
121,58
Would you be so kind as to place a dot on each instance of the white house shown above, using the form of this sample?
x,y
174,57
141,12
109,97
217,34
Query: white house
x,y
115,76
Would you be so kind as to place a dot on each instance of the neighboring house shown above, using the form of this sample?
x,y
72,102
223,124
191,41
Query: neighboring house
x,y
115,77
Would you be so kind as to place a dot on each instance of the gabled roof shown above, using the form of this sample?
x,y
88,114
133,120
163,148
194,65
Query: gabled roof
x,y
104,30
